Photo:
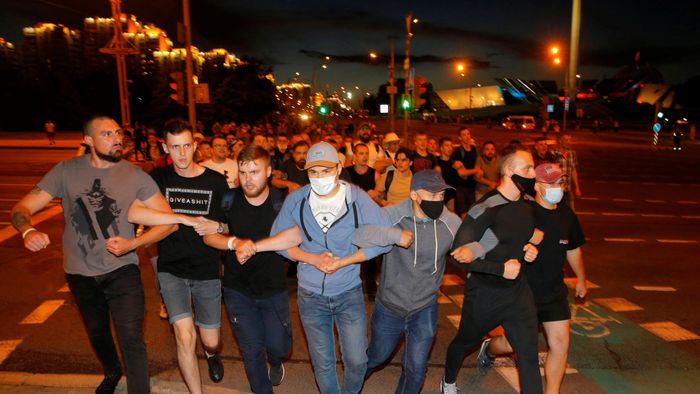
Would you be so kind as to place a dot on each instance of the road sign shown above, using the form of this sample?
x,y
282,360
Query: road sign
x,y
656,127
550,108
383,108
201,93
391,90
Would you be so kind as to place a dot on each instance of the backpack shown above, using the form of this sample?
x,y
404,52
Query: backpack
x,y
388,180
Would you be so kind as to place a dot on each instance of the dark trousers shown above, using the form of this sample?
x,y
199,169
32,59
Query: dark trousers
x,y
484,309
119,293
263,329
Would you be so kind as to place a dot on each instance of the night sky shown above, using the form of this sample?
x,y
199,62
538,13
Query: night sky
x,y
495,38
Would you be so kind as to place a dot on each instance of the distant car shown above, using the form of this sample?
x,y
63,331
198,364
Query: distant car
x,y
519,122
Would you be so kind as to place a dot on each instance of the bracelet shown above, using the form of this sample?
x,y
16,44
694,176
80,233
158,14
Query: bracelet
x,y
230,243
27,231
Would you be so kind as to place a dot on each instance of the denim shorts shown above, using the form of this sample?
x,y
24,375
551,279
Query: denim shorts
x,y
179,294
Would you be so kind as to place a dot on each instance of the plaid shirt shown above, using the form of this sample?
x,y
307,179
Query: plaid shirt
x,y
568,162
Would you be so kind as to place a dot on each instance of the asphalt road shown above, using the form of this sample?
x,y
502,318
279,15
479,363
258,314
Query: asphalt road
x,y
638,332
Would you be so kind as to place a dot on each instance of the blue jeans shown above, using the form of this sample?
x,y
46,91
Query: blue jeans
x,y
262,327
347,311
120,294
387,330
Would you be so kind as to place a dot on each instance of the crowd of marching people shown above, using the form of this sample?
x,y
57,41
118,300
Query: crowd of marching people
x,y
353,214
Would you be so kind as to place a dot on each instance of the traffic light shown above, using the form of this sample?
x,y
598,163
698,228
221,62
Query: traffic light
x,y
322,109
423,96
176,83
406,103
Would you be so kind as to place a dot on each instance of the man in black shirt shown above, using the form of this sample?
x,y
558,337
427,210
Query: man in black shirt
x,y
495,293
361,174
188,270
449,174
562,242
464,161
255,292
293,169
541,153
422,159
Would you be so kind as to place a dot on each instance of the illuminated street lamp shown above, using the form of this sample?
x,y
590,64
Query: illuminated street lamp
x,y
373,55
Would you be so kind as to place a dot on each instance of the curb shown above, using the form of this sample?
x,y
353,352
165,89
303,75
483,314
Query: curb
x,y
88,381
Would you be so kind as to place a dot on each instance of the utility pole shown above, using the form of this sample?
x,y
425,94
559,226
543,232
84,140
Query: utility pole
x,y
574,46
392,88
406,71
191,109
117,48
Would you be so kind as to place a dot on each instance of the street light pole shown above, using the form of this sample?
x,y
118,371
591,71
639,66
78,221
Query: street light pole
x,y
392,88
406,70
191,109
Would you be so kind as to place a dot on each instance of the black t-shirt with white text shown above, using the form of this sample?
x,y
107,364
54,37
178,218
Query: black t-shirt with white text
x,y
562,232
184,253
264,274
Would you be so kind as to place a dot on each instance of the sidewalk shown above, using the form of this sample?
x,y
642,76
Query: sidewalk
x,y
35,140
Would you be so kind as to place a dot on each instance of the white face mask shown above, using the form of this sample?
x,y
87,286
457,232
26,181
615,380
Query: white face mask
x,y
323,186
553,195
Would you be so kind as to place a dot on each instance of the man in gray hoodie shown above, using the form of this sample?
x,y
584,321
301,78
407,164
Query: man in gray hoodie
x,y
406,303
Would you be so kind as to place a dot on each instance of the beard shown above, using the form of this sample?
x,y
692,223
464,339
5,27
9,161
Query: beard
x,y
113,156
365,138
253,192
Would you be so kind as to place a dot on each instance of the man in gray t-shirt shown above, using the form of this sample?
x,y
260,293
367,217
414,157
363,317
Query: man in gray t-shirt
x,y
100,261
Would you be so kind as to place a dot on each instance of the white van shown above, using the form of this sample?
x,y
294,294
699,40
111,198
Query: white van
x,y
519,122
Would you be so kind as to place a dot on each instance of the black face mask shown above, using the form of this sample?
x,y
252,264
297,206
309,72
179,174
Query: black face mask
x,y
432,209
525,185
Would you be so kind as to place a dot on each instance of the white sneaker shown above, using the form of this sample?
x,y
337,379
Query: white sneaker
x,y
448,388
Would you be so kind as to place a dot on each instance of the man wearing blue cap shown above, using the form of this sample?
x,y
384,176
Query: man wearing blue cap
x,y
406,303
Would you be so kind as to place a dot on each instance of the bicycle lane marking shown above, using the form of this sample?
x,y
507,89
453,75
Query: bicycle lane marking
x,y
621,356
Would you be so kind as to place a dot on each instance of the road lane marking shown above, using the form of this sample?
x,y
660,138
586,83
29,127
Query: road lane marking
x,y
9,231
585,213
648,183
589,198
452,279
623,239
677,241
691,217
622,199
454,319
571,283
43,312
657,215
618,304
458,299
670,331
7,347
688,202
653,288
616,214
656,201
4,223
64,289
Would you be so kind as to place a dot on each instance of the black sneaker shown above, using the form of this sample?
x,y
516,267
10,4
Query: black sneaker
x,y
109,384
276,374
484,361
216,368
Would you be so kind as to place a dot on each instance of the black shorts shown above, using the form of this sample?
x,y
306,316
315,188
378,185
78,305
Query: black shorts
x,y
555,310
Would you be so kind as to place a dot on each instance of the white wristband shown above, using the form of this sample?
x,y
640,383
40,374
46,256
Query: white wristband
x,y
27,231
230,243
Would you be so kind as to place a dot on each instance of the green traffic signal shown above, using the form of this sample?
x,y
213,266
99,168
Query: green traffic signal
x,y
322,109
406,103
